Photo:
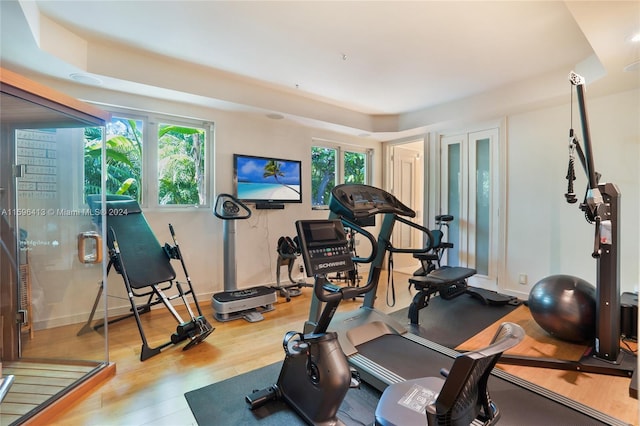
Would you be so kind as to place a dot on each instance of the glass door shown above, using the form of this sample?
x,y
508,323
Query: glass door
x,y
52,251
60,244
469,193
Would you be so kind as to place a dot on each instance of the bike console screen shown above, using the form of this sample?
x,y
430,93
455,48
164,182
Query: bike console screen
x,y
324,246
356,201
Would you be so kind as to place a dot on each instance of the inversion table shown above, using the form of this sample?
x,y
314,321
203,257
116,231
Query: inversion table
x,y
147,272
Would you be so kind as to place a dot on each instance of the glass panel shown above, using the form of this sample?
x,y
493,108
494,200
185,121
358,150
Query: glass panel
x,y
453,257
49,277
323,174
483,201
355,167
181,154
60,243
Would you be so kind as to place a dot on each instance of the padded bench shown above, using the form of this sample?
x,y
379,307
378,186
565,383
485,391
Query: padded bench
x,y
449,281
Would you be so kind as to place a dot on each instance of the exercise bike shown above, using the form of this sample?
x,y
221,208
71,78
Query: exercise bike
x,y
316,375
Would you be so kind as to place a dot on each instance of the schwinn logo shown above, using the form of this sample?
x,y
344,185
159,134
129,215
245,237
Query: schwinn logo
x,y
331,264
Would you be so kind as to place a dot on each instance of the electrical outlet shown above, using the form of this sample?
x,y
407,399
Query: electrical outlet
x,y
523,279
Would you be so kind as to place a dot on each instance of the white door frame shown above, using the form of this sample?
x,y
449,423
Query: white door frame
x,y
407,157
467,182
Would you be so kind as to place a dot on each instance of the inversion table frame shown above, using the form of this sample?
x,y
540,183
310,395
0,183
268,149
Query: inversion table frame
x,y
146,269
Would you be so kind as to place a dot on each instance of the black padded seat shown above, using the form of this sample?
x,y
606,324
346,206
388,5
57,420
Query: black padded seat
x,y
448,281
443,276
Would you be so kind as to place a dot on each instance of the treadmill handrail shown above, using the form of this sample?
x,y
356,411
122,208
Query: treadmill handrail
x,y
427,246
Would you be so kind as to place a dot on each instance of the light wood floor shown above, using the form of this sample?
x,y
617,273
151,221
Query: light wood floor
x,y
152,392
608,394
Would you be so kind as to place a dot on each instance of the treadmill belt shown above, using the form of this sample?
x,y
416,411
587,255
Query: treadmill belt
x,y
518,405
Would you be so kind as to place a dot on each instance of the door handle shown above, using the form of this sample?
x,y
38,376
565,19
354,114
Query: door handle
x,y
89,247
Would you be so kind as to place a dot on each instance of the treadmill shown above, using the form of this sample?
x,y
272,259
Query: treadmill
x,y
383,351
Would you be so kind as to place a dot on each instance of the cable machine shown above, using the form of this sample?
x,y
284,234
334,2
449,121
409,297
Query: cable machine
x,y
601,207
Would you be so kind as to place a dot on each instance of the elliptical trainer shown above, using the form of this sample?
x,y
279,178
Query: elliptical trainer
x,y
316,375
234,303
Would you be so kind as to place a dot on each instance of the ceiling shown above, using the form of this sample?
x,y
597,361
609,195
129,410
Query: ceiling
x,y
364,67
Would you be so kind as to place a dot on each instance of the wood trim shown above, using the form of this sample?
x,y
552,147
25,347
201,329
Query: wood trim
x,y
22,83
48,414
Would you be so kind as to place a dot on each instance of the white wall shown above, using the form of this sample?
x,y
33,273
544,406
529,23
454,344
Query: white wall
x,y
256,237
199,232
545,234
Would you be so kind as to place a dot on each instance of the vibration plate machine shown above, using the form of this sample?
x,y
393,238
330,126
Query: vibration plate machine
x,y
234,303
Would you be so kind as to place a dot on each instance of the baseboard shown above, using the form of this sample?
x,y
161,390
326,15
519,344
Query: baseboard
x,y
72,397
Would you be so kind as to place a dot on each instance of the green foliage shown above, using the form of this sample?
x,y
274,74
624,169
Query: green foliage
x,y
125,186
123,150
177,181
354,167
323,174
180,164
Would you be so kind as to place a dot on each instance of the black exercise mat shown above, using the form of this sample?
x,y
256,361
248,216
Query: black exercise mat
x,y
452,322
223,403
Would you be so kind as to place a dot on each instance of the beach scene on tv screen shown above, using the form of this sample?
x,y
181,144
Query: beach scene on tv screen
x,y
268,179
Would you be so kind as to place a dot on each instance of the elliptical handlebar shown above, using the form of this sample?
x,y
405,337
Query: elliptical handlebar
x,y
325,249
368,235
350,292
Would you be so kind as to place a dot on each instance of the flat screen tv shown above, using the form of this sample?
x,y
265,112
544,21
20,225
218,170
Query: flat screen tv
x,y
267,182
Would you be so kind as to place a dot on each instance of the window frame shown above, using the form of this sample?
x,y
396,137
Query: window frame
x,y
341,149
150,151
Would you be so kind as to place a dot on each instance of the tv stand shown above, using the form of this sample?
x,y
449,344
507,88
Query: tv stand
x,y
269,206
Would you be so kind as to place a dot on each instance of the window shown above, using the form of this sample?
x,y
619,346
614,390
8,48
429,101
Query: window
x,y
355,167
323,174
181,152
166,154
333,164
